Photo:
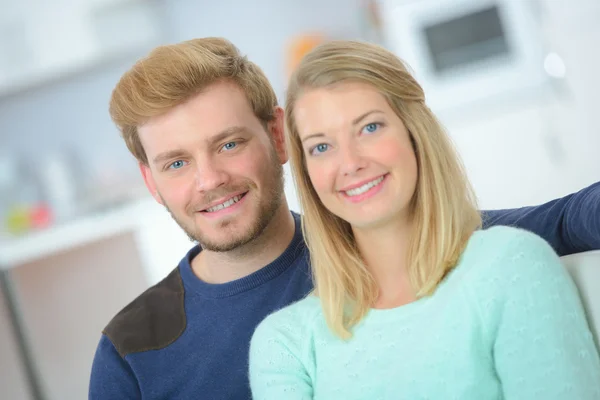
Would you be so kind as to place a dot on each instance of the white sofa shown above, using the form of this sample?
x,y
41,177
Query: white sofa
x,y
585,270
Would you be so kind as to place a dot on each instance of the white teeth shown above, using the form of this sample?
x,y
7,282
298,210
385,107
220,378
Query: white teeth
x,y
228,203
364,188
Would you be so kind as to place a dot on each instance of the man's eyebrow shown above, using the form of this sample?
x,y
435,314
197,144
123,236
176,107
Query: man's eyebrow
x,y
167,155
224,134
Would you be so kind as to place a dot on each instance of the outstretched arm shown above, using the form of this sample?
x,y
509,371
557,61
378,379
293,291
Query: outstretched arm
x,y
570,224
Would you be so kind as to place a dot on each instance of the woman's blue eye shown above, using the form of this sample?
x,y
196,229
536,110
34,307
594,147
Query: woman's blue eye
x,y
229,146
320,148
370,128
177,164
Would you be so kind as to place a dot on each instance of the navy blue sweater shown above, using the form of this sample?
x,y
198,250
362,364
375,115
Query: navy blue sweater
x,y
186,339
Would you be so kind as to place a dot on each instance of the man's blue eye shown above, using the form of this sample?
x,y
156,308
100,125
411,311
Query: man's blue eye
x,y
176,165
370,128
320,148
229,146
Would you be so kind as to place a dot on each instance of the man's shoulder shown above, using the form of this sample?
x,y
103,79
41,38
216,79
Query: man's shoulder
x,y
153,320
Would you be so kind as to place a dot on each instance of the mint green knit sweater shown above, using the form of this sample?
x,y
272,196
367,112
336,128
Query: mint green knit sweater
x,y
507,323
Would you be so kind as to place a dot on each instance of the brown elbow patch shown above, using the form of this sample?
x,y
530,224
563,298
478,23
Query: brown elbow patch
x,y
152,321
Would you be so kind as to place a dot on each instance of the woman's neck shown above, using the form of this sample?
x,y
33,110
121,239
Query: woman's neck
x,y
384,250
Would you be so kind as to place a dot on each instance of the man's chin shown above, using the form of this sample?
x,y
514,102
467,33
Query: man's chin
x,y
224,238
224,245
226,234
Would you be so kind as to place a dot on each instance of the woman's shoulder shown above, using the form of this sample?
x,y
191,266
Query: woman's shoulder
x,y
293,322
282,345
507,238
502,258
507,246
304,309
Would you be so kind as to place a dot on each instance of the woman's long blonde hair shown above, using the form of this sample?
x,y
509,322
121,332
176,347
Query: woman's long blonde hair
x,y
443,206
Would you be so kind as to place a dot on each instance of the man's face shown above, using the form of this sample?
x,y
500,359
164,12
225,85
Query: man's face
x,y
215,166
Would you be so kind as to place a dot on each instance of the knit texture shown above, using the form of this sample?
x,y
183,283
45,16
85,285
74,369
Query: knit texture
x,y
506,323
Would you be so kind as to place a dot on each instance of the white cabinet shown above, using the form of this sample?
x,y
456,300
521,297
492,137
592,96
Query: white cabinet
x,y
65,300
43,40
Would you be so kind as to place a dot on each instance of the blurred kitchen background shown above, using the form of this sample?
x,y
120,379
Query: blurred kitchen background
x,y
516,83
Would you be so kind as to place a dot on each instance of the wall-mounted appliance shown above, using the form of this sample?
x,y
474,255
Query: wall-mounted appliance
x,y
466,51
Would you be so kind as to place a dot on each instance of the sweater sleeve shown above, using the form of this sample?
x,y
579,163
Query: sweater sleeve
x,y
278,358
112,377
570,224
542,345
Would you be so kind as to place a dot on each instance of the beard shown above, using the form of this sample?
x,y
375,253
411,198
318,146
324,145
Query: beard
x,y
268,204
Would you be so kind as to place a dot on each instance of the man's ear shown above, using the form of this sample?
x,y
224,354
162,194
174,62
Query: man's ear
x,y
149,181
277,131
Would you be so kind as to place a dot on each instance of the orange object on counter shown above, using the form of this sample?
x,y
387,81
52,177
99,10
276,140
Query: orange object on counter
x,y
298,48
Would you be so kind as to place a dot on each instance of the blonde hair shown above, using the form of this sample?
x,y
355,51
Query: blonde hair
x,y
172,74
444,206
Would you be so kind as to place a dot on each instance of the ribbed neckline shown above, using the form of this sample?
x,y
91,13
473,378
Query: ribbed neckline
x,y
210,290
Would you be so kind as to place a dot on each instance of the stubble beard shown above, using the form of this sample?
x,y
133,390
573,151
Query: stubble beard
x,y
268,205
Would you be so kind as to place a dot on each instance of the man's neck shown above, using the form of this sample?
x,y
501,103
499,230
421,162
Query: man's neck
x,y
223,267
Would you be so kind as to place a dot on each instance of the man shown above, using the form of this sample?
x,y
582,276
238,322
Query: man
x,y
204,124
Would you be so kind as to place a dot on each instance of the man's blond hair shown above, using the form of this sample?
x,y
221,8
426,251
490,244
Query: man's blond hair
x,y
172,74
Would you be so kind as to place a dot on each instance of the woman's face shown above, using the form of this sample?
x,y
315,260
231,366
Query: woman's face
x,y
358,153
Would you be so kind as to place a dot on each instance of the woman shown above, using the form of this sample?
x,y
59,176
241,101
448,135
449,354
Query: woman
x,y
411,300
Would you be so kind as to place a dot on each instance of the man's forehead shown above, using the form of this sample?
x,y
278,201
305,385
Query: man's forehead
x,y
207,120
